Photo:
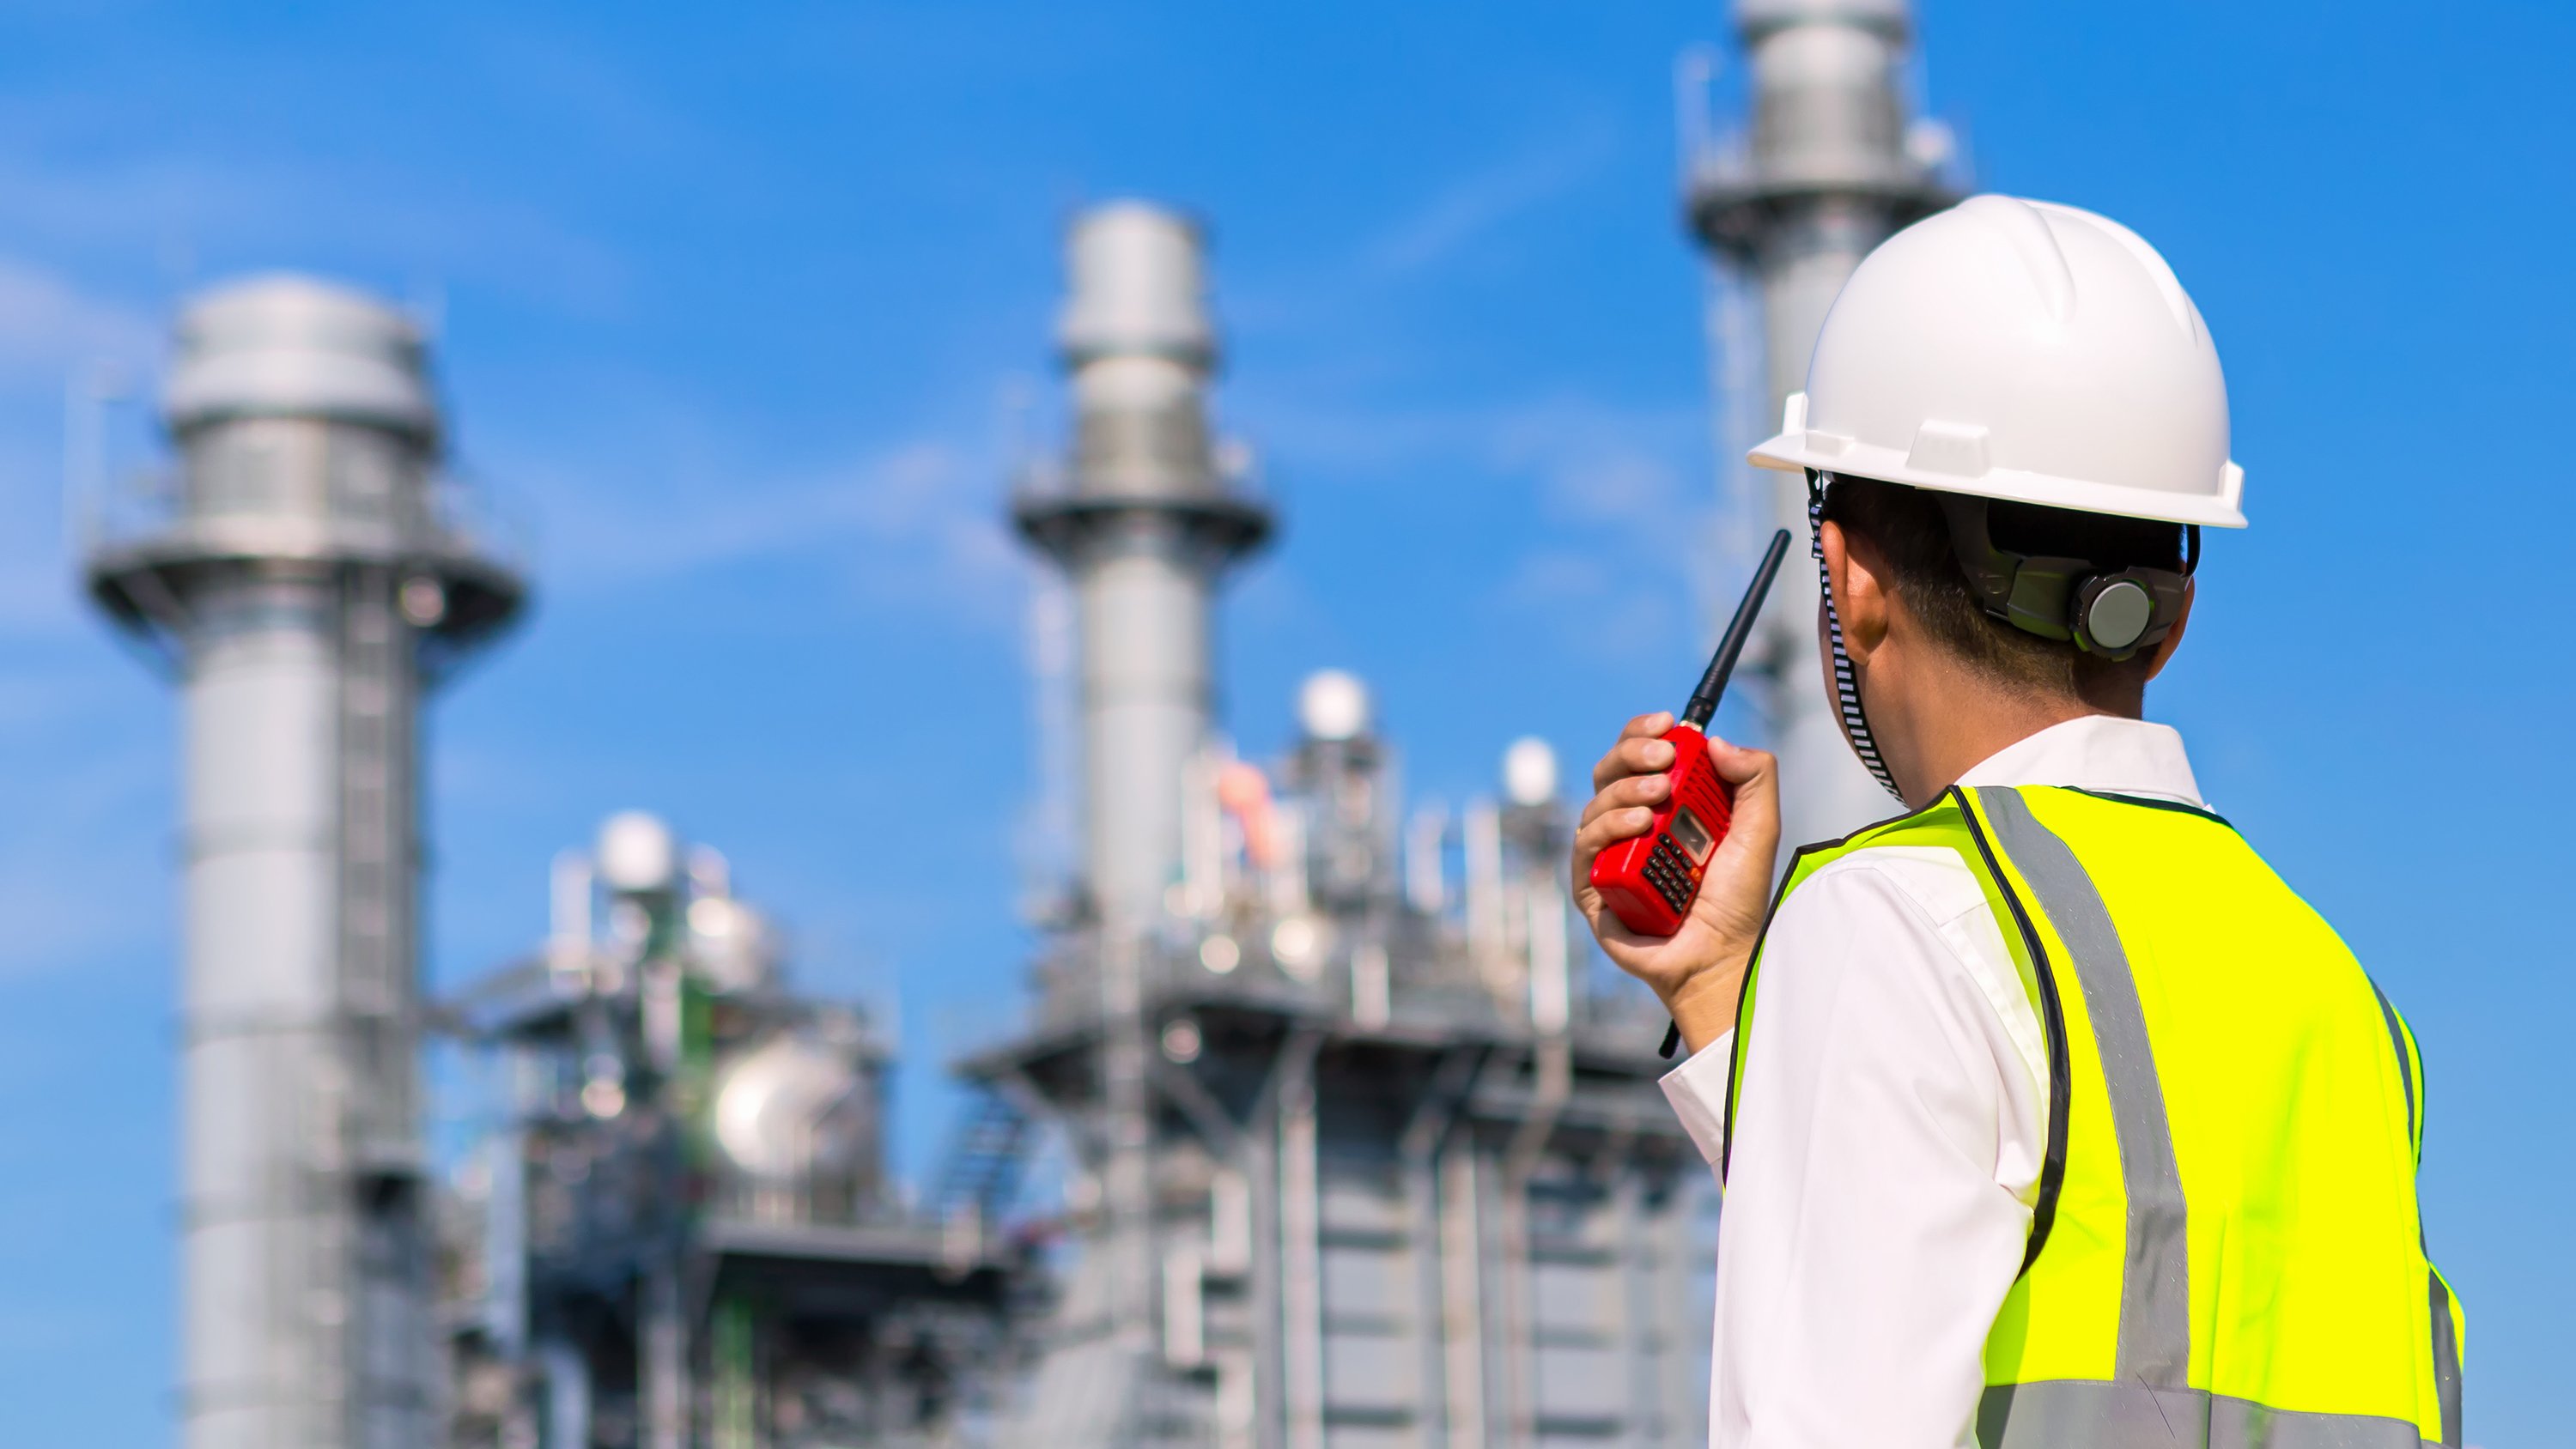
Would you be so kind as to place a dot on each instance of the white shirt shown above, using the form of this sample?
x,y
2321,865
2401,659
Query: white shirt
x,y
1888,1133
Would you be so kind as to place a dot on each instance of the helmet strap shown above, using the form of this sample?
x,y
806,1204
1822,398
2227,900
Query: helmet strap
x,y
2112,613
1846,684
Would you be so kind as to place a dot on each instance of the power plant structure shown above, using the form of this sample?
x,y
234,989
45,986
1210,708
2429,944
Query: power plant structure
x,y
1827,167
1359,1149
1360,1145
307,574
678,1229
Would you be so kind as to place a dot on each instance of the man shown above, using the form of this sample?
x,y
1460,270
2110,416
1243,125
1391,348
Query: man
x,y
2046,1114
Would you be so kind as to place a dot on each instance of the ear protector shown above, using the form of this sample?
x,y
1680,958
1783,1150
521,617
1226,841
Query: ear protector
x,y
2112,614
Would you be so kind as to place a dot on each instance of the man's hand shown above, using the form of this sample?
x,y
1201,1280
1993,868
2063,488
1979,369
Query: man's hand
x,y
1698,971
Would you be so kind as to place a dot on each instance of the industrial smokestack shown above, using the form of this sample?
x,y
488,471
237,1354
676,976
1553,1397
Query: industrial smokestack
x,y
308,588
1146,522
1827,168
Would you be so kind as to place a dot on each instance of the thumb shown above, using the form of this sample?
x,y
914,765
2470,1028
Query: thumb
x,y
1755,774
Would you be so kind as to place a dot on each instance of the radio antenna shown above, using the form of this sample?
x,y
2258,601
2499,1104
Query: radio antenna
x,y
1703,700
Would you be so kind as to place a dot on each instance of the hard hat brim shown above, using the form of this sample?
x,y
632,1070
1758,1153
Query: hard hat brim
x,y
1793,452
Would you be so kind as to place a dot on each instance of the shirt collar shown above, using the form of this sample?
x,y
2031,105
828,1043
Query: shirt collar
x,y
2097,752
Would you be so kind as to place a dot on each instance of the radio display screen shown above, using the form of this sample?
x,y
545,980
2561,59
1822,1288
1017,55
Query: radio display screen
x,y
1692,836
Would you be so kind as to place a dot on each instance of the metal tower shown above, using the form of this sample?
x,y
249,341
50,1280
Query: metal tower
x,y
1826,169
1144,525
306,577
1147,524
1356,1157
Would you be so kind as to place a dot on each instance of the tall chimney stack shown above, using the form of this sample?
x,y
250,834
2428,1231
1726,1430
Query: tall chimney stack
x,y
308,589
1145,520
1827,167
1146,523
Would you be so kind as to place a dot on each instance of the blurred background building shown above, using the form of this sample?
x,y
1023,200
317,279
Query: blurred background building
x,y
678,1229
1357,1151
1346,1135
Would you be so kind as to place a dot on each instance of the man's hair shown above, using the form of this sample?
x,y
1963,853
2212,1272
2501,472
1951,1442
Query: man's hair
x,y
1907,526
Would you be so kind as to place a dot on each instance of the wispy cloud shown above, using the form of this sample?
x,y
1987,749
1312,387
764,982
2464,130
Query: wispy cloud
x,y
50,325
1604,462
47,322
1627,513
187,208
70,887
1589,460
66,912
914,521
1622,488
574,80
1468,210
58,1327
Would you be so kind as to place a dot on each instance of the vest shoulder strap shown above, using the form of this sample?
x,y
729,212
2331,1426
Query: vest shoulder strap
x,y
1955,823
1940,825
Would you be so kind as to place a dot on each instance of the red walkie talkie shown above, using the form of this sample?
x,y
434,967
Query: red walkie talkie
x,y
1649,882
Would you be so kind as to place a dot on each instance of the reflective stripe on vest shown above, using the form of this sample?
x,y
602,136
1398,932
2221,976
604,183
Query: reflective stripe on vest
x,y
2082,1415
2225,1227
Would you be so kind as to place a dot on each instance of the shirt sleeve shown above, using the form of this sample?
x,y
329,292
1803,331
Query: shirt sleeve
x,y
1697,1091
1875,1212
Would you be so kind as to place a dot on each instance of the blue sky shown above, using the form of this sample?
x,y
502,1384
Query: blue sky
x,y
736,311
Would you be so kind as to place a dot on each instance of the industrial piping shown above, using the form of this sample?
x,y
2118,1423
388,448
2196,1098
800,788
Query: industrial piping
x,y
308,587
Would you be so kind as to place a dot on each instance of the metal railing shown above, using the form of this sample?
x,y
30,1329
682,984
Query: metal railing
x,y
107,508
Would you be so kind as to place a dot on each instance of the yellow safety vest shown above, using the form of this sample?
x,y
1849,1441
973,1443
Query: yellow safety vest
x,y
2225,1246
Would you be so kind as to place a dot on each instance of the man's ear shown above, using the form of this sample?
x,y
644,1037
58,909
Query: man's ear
x,y
1861,590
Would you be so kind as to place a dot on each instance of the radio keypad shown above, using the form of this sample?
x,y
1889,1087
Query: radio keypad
x,y
1669,872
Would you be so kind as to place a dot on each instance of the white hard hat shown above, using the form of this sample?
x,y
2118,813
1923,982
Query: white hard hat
x,y
2025,351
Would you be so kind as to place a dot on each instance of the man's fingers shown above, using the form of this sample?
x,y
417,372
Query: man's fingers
x,y
1740,767
1631,790
1641,733
1755,774
1607,829
1754,835
1640,751
1589,841
1597,835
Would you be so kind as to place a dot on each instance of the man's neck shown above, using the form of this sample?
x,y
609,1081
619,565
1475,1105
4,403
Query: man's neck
x,y
1938,735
